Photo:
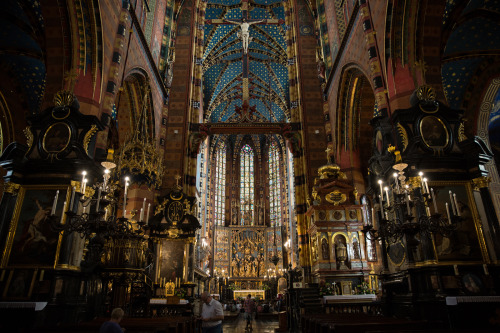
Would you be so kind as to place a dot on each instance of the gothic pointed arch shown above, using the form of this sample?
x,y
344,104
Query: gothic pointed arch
x,y
356,106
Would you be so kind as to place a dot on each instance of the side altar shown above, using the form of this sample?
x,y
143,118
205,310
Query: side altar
x,y
340,253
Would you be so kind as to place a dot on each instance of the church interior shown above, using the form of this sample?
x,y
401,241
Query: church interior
x,y
334,157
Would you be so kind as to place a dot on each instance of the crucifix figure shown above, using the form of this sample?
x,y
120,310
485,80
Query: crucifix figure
x,y
245,23
245,33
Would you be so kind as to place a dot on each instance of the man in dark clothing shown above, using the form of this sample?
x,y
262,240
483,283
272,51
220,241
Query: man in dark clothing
x,y
249,307
113,325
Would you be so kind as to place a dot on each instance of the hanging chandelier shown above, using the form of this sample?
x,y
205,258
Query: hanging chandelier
x,y
139,157
406,208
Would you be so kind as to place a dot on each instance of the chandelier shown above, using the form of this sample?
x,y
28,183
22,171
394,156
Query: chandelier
x,y
139,157
406,207
96,219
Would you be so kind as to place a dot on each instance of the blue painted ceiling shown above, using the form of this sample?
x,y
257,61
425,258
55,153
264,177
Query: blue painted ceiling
x,y
474,37
223,62
22,54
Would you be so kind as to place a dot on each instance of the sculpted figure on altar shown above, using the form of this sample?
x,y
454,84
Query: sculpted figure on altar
x,y
234,267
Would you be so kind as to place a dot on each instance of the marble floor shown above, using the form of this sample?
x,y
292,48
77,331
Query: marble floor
x,y
237,325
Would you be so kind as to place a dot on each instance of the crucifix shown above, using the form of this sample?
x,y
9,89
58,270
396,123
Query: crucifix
x,y
244,34
177,178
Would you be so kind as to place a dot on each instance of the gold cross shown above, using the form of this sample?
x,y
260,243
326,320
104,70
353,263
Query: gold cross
x,y
328,150
177,178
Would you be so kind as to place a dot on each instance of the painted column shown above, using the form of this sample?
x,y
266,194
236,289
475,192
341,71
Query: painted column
x,y
195,137
113,76
374,61
294,138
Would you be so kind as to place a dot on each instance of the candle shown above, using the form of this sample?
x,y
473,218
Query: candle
x,y
380,184
456,204
381,204
143,209
105,213
124,212
408,202
387,195
54,204
125,196
452,204
386,216
98,199
448,213
62,214
147,216
141,216
396,180
84,186
426,186
434,201
84,173
106,173
421,175
428,211
73,190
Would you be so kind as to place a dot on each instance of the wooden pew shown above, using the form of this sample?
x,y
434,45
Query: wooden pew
x,y
174,324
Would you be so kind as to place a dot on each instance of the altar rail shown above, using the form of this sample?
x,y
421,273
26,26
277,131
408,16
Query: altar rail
x,y
346,304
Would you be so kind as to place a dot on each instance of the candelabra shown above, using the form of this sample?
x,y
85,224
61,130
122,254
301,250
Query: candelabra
x,y
97,214
95,219
404,209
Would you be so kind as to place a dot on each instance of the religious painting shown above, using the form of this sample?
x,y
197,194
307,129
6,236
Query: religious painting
x,y
346,287
325,250
221,250
356,250
281,285
434,132
56,138
171,259
34,242
19,285
472,284
464,243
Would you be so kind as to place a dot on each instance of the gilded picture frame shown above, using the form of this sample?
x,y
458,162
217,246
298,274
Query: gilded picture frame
x,y
467,243
434,132
19,285
31,242
56,138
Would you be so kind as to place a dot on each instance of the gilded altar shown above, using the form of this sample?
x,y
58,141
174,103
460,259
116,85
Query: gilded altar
x,y
244,252
254,292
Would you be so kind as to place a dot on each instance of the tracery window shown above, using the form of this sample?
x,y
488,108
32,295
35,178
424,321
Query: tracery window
x,y
246,185
220,183
274,185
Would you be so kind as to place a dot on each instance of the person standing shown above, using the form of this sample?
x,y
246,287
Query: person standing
x,y
249,307
211,315
113,325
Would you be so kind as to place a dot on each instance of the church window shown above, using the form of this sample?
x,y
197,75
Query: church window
x,y
220,183
274,185
247,185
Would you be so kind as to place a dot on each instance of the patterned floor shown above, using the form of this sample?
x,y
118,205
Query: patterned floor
x,y
237,325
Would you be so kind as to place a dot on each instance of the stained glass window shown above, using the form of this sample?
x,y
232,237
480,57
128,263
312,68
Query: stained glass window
x,y
274,185
220,183
246,185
